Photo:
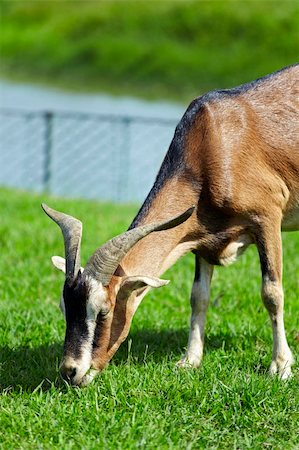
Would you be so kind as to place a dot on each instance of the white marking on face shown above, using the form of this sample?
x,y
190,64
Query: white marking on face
x,y
96,299
95,303
84,362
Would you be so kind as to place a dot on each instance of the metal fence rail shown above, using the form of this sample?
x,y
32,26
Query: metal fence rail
x,y
82,155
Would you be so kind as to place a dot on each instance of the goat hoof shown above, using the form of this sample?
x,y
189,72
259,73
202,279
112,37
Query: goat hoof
x,y
283,371
188,362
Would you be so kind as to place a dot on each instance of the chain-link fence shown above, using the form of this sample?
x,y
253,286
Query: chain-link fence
x,y
82,155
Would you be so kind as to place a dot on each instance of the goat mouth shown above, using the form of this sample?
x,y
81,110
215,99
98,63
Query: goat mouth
x,y
78,382
88,377
78,378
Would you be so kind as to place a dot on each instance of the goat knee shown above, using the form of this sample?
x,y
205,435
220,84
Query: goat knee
x,y
272,295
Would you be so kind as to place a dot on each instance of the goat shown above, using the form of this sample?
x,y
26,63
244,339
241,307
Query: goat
x,y
235,156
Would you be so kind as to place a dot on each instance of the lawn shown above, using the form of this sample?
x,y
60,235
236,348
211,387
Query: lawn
x,y
140,400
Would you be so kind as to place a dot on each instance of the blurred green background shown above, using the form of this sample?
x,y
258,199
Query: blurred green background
x,y
156,49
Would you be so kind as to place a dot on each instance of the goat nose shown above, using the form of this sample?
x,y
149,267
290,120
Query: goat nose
x,y
68,373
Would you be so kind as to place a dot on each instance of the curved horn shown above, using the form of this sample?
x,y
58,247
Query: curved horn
x,y
103,263
72,232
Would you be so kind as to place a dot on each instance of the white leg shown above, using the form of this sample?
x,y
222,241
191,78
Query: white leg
x,y
199,303
282,358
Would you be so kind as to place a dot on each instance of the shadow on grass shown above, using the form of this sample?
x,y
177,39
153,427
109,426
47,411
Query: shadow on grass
x,y
31,368
172,343
27,368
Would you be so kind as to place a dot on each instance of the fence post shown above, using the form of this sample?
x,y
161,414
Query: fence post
x,y
124,161
48,119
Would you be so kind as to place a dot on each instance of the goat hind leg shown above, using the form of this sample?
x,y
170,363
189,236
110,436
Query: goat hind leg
x,y
270,251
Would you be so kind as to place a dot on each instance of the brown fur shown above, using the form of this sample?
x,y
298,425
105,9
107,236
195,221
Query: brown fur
x,y
241,170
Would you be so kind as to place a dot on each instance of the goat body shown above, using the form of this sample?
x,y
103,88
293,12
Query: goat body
x,y
235,156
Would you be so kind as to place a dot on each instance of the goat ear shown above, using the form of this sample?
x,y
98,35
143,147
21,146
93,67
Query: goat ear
x,y
59,263
130,284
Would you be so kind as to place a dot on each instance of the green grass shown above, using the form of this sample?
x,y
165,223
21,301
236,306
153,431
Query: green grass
x,y
140,400
171,49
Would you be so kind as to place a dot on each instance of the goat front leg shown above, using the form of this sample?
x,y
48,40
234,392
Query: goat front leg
x,y
199,303
270,252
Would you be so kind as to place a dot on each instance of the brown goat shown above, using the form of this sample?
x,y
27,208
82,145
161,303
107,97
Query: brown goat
x,y
235,156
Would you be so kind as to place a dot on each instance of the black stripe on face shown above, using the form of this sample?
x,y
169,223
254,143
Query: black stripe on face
x,y
98,331
75,294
